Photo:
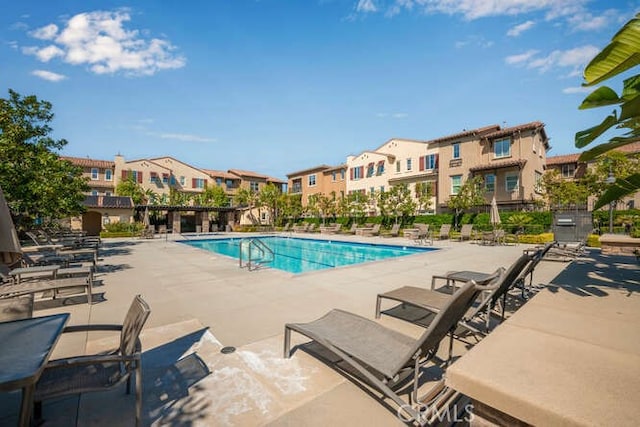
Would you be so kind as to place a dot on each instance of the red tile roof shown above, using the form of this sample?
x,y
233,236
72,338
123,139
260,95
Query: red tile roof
x,y
219,174
86,162
513,129
562,159
465,133
499,165
308,170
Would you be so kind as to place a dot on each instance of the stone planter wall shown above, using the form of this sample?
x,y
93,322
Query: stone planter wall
x,y
616,244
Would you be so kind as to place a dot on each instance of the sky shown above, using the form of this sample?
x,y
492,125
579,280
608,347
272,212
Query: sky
x,y
278,86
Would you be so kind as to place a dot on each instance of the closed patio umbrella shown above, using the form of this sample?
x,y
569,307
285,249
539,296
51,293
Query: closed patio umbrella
x,y
145,219
10,251
494,214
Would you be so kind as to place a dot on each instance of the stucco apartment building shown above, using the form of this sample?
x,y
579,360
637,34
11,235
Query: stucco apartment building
x,y
160,175
328,180
571,168
510,160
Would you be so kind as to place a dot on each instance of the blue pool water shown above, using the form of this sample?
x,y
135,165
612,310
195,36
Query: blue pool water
x,y
302,255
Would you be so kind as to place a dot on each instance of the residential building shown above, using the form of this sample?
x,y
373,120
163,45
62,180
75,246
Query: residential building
x,y
227,181
323,179
255,181
510,160
99,174
396,162
570,167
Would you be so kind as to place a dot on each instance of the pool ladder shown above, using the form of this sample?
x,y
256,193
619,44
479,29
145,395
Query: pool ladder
x,y
264,252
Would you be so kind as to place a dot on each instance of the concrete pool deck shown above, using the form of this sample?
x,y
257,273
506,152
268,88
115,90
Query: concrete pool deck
x,y
202,301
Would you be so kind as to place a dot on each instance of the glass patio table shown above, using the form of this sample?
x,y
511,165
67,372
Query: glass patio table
x,y
26,347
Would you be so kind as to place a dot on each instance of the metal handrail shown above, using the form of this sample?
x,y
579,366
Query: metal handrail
x,y
261,247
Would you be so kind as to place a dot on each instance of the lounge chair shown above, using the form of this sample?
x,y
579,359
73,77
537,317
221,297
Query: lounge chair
x,y
101,371
301,228
352,230
443,234
373,231
9,289
566,251
311,228
16,308
466,232
394,232
418,305
382,357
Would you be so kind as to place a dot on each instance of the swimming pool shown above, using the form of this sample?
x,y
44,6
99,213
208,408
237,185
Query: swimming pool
x,y
296,255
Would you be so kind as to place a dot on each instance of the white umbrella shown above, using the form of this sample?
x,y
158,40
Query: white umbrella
x,y
494,214
10,251
145,219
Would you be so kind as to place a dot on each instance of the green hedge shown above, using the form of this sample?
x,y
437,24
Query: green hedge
x,y
593,241
107,234
535,239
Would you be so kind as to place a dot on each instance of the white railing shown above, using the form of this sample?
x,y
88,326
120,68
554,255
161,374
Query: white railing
x,y
263,254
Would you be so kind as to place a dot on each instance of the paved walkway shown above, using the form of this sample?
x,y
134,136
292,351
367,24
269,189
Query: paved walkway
x,y
202,301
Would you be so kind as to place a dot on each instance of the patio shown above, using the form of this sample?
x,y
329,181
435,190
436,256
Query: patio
x,y
202,302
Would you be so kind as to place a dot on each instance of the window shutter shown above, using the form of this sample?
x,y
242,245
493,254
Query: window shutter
x,y
434,188
193,183
351,173
205,182
361,171
140,177
125,175
421,163
436,160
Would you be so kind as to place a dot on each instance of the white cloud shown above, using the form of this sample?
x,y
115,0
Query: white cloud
x,y
585,21
578,89
47,32
400,115
44,54
474,41
100,40
520,58
48,75
366,6
475,9
184,137
575,59
520,28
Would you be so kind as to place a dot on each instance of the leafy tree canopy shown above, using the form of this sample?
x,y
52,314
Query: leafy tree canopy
x,y
469,195
130,188
35,181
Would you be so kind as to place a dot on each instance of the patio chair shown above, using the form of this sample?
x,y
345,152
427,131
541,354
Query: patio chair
x,y
394,232
373,231
466,232
443,234
99,372
352,230
431,301
16,308
381,357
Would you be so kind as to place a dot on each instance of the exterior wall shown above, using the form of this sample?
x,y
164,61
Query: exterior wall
x,y
526,161
226,181
186,177
334,182
150,175
102,184
395,155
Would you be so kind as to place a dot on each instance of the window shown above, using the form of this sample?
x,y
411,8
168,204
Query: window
x,y
490,183
456,183
94,192
456,150
409,164
357,173
254,186
312,180
333,176
296,186
370,168
372,191
342,174
107,193
219,182
569,170
430,161
199,183
108,175
165,178
382,188
380,169
94,174
172,180
511,182
182,180
229,183
538,182
153,177
502,148
398,166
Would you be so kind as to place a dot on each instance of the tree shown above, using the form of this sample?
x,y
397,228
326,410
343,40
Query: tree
x,y
469,195
326,206
563,192
620,55
397,202
35,181
290,205
213,195
268,198
424,195
128,187
249,198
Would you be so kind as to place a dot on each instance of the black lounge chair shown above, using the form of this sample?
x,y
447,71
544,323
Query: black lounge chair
x,y
386,359
419,305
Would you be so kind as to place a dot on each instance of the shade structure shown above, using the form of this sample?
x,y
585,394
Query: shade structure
x,y
10,251
494,214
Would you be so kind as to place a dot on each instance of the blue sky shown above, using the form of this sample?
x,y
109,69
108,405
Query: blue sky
x,y
277,86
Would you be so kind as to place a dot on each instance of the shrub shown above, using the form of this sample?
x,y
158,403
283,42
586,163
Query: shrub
x,y
593,241
108,234
535,238
124,227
